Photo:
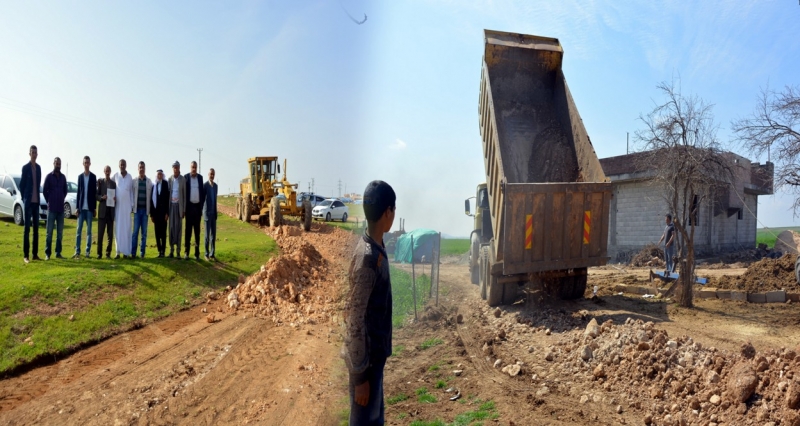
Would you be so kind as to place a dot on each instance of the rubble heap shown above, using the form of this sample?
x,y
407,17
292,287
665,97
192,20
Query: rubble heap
x,y
636,366
298,286
650,255
765,275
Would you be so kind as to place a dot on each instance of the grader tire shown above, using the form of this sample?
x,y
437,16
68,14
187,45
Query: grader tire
x,y
246,210
275,217
306,215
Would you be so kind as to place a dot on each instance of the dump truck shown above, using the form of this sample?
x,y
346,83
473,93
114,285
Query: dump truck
x,y
262,193
542,215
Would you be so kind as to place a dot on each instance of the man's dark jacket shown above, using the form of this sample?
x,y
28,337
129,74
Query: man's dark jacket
x,y
200,189
92,194
161,209
25,181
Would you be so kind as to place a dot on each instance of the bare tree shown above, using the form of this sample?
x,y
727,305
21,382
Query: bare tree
x,y
774,128
679,147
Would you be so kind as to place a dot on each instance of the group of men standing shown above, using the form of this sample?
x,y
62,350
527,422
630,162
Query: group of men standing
x,y
122,203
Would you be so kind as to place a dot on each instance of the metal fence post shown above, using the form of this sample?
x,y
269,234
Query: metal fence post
x,y
437,263
413,279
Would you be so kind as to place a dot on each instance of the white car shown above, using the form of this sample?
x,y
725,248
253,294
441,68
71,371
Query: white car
x,y
11,200
313,198
330,209
71,200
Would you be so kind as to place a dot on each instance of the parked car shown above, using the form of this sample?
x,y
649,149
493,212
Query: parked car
x,y
330,209
71,200
313,198
11,200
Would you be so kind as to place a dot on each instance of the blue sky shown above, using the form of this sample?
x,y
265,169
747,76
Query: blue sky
x,y
394,99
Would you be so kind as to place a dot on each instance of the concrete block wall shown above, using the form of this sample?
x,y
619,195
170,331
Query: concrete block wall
x,y
637,218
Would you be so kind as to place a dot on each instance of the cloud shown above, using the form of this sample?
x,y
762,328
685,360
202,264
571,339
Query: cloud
x,y
398,145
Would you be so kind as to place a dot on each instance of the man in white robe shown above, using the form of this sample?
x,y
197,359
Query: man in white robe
x,y
123,210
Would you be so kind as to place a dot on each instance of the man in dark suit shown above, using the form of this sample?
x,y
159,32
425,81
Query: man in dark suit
x,y
87,203
105,214
159,211
29,190
195,197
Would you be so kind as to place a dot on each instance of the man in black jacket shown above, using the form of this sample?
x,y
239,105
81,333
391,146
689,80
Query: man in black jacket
x,y
29,191
105,214
87,202
195,196
159,211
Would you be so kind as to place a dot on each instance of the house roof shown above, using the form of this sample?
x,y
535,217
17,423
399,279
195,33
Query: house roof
x,y
622,164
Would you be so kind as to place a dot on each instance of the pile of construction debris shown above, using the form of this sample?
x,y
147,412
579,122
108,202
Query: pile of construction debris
x,y
765,275
302,284
651,256
636,366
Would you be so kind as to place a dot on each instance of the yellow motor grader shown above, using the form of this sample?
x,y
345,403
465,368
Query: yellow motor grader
x,y
262,193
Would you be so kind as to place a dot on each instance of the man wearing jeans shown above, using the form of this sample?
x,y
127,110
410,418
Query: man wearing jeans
x,y
55,191
29,191
142,190
210,215
669,244
87,186
194,209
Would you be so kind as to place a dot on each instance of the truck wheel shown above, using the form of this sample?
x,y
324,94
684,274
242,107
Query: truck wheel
x,y
246,210
474,258
484,254
306,215
573,287
275,217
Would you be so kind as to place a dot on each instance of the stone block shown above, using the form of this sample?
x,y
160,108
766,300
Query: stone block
x,y
707,294
739,295
724,294
778,296
756,297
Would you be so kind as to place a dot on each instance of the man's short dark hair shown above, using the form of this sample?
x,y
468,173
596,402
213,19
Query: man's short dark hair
x,y
141,163
378,197
669,216
86,157
32,148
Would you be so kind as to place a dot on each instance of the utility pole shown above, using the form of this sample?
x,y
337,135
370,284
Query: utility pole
x,y
340,188
312,185
627,142
199,161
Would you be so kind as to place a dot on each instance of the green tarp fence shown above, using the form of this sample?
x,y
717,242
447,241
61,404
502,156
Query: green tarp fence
x,y
424,243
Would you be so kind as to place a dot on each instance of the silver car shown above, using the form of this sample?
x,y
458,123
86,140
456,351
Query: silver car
x,y
71,200
11,200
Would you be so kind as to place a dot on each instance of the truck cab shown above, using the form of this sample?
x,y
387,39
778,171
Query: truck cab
x,y
481,230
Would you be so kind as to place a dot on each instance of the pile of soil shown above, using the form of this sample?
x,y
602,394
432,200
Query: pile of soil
x,y
302,285
636,366
765,275
651,255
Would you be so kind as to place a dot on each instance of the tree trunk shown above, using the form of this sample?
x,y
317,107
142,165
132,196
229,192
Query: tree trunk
x,y
686,298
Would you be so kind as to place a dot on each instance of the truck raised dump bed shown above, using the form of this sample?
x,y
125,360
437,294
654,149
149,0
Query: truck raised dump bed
x,y
542,215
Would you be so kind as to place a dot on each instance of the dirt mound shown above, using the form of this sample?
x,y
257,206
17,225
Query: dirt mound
x,y
301,285
765,275
788,242
650,255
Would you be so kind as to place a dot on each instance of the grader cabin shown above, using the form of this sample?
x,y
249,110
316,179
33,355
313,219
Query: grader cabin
x,y
726,223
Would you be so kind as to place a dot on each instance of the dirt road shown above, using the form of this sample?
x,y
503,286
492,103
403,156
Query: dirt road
x,y
239,369
553,385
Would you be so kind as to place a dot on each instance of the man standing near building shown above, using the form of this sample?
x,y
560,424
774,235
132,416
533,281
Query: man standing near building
x,y
177,207
87,190
159,211
669,244
210,214
105,213
55,191
29,185
142,189
123,208
194,209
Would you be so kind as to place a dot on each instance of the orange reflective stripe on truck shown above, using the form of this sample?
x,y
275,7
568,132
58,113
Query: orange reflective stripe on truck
x,y
587,225
528,231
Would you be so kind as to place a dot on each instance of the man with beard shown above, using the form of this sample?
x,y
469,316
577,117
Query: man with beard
x,y
159,211
105,213
55,191
123,209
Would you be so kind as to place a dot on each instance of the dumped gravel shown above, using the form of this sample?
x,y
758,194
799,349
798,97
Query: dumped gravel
x,y
764,275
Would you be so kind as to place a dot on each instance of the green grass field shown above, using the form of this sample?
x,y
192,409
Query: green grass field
x,y
403,295
454,246
768,236
106,296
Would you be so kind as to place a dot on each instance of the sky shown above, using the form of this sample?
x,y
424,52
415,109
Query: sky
x,y
394,98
